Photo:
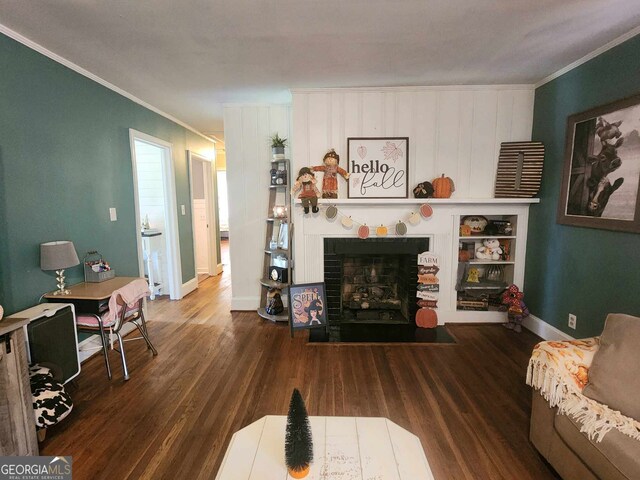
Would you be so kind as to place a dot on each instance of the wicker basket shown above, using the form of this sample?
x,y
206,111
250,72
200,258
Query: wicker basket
x,y
95,277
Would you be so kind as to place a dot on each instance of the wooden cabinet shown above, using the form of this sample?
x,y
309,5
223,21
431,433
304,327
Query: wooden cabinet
x,y
17,421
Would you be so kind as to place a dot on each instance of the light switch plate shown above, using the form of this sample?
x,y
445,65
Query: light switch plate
x,y
113,216
183,209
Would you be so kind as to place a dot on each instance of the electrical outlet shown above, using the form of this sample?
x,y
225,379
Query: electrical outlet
x,y
572,321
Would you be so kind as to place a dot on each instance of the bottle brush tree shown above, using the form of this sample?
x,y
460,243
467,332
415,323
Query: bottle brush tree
x,y
298,446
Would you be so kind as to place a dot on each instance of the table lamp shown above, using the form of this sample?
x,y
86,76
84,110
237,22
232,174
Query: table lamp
x,y
58,256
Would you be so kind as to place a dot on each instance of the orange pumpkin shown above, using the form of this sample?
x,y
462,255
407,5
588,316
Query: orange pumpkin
x,y
381,231
443,187
426,318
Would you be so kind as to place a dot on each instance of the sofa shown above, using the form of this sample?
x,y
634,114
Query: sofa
x,y
586,403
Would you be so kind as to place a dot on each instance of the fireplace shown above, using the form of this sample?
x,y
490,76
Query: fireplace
x,y
372,281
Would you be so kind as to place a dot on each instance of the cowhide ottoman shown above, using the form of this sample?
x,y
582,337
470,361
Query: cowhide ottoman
x,y
51,403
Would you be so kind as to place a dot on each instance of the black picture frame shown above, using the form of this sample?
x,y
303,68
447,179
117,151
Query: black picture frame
x,y
600,180
307,300
398,161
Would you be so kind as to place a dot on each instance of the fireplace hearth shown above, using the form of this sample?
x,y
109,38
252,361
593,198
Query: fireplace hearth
x,y
371,281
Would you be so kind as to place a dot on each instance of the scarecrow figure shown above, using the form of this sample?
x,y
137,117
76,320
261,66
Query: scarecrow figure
x,y
306,183
331,171
512,298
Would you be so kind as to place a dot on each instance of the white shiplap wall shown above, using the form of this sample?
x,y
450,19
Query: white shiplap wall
x,y
248,149
453,130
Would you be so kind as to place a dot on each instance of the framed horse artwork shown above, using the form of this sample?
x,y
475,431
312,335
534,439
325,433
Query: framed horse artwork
x,y
601,180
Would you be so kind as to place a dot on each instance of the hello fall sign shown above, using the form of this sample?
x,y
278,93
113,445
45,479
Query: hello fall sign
x,y
378,167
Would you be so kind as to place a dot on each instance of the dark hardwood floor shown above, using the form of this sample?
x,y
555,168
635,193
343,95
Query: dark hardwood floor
x,y
218,371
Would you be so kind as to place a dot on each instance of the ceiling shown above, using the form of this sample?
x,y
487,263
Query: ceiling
x,y
187,58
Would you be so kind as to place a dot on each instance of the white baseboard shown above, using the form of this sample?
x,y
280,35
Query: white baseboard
x,y
92,345
245,303
544,330
189,286
218,269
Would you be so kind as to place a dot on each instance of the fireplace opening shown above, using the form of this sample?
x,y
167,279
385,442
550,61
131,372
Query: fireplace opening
x,y
374,290
372,281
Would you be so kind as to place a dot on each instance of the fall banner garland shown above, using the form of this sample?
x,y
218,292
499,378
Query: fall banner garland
x,y
364,231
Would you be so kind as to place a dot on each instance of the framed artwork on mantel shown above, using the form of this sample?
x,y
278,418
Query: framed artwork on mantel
x,y
601,182
378,167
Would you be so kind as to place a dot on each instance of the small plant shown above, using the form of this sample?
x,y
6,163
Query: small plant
x,y
298,445
276,141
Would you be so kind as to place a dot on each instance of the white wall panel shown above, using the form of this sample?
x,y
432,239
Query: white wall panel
x,y
247,132
453,130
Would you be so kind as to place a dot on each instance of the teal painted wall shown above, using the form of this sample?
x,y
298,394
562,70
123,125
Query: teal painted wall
x,y
64,160
584,271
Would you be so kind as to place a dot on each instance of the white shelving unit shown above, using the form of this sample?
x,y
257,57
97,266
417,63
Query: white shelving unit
x,y
511,264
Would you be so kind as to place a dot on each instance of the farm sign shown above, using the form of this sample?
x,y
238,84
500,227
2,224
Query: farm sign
x,y
378,167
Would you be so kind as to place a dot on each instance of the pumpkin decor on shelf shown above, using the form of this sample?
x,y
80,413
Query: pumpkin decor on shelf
x,y
363,232
331,212
414,218
443,187
401,228
298,443
426,318
476,223
382,231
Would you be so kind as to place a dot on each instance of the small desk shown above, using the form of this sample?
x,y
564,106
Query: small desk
x,y
344,448
91,297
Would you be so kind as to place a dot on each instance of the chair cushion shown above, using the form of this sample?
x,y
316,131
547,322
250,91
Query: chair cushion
x,y
92,322
51,403
613,376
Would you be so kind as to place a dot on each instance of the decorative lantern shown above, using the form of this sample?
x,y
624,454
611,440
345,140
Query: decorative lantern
x,y
279,211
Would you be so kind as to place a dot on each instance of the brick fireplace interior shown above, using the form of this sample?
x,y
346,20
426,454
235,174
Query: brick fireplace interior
x,y
372,281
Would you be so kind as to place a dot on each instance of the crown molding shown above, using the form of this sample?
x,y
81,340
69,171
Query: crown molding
x,y
589,56
415,88
78,69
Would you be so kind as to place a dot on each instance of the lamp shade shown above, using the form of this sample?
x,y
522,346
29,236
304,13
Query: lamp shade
x,y
58,255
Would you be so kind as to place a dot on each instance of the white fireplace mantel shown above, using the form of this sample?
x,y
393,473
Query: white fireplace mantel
x,y
430,201
442,229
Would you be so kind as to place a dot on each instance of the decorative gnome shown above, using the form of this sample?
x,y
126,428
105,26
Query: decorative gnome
x,y
490,250
513,300
331,171
306,183
274,302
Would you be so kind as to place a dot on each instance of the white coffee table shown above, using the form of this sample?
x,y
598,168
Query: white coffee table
x,y
344,448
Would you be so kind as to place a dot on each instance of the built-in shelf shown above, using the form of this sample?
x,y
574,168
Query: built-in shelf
x,y
490,262
482,237
279,186
281,317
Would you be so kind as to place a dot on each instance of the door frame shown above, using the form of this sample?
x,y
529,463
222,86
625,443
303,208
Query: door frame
x,y
210,192
172,238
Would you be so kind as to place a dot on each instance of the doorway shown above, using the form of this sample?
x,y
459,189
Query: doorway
x,y
204,218
156,214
